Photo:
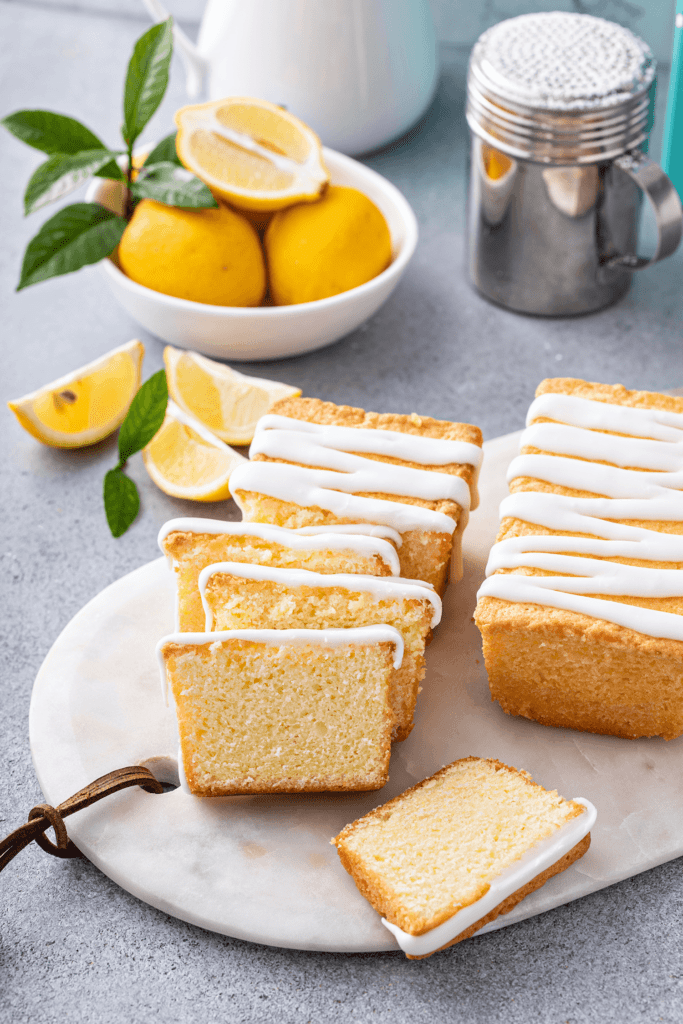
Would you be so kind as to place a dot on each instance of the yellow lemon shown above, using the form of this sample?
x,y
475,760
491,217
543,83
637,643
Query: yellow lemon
x,y
251,153
186,460
327,247
84,406
211,256
227,402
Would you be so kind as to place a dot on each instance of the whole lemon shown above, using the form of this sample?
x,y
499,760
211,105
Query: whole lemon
x,y
323,248
207,255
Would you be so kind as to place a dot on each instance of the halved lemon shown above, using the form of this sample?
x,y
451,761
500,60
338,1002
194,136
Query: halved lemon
x,y
251,153
84,406
227,402
186,460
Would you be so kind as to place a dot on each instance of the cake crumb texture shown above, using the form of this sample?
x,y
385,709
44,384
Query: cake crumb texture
x,y
261,718
191,552
435,849
239,603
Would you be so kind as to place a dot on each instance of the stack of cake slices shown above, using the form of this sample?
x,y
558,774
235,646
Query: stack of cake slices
x,y
301,632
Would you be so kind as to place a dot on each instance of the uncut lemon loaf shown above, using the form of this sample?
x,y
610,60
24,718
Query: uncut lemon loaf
x,y
282,711
330,464
239,596
582,611
459,849
192,544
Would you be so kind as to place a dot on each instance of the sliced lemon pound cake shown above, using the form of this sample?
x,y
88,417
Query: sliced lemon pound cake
x,y
282,711
191,544
314,463
238,596
582,611
454,852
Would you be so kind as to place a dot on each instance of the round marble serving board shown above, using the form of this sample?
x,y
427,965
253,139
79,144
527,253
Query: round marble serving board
x,y
262,868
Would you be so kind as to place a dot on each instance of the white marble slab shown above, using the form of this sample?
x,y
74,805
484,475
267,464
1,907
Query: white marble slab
x,y
262,868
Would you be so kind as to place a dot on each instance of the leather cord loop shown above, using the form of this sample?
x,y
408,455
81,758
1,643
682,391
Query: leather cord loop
x,y
64,847
44,816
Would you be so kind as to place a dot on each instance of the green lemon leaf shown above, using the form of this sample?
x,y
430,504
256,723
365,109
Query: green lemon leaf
x,y
111,170
79,234
62,174
147,78
121,501
51,133
173,186
165,152
145,416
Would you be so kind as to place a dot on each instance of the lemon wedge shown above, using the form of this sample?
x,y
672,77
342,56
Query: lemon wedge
x,y
186,460
86,405
227,402
251,153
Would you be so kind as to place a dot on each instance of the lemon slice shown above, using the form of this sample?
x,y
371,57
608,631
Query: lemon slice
x,y
185,460
86,405
227,402
251,153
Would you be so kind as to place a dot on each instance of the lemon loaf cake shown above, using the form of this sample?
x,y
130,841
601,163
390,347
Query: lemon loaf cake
x,y
281,711
582,610
335,464
191,544
239,596
454,852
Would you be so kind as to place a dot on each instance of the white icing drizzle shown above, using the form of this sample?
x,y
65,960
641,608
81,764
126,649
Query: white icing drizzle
x,y
321,470
334,492
382,588
361,538
630,494
591,444
426,451
538,858
620,419
367,528
285,638
365,475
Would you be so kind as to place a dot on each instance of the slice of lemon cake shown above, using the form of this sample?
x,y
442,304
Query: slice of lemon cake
x,y
582,610
336,464
192,544
454,852
281,711
239,596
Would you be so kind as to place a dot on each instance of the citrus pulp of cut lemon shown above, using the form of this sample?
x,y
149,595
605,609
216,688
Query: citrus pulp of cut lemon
x,y
251,153
186,460
227,402
86,405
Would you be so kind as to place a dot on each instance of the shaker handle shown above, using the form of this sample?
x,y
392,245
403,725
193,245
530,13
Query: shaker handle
x,y
659,190
195,65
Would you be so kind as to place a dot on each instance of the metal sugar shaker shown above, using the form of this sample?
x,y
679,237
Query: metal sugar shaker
x,y
558,108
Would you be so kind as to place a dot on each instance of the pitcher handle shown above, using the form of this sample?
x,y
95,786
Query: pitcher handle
x,y
651,179
195,65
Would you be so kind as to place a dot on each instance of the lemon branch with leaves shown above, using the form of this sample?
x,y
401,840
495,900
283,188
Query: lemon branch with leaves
x,y
85,233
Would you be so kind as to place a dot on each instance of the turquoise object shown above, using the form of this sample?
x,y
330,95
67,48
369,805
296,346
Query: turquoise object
x,y
672,150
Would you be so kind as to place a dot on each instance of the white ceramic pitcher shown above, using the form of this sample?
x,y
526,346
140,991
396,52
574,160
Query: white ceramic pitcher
x,y
359,72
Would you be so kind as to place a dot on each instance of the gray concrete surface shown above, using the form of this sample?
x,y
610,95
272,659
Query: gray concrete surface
x,y
75,947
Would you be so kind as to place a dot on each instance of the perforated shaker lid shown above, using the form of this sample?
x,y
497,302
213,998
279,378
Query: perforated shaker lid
x,y
570,73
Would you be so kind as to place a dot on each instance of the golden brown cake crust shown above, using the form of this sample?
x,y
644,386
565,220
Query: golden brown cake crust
x,y
313,410
316,411
651,666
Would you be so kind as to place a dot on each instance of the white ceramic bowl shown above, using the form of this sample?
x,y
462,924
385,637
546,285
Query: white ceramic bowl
x,y
272,332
